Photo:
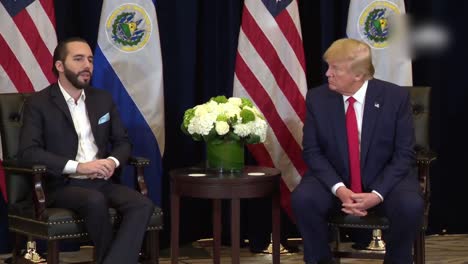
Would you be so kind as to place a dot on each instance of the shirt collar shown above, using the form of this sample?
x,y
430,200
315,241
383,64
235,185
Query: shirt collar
x,y
68,98
360,95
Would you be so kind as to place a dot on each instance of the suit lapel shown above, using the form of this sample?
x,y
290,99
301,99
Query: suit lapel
x,y
91,104
59,101
372,108
339,126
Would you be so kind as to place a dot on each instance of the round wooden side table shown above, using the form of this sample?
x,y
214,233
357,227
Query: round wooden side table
x,y
251,182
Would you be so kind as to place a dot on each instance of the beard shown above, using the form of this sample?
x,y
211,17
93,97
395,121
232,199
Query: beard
x,y
73,78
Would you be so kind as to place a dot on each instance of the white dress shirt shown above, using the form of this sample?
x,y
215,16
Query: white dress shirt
x,y
360,97
87,148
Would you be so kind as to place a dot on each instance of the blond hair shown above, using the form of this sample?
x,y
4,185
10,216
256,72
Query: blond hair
x,y
358,52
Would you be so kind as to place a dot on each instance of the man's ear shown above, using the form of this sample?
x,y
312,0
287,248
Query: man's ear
x,y
359,77
59,66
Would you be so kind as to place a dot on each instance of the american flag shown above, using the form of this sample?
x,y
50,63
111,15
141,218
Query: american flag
x,y
27,42
270,69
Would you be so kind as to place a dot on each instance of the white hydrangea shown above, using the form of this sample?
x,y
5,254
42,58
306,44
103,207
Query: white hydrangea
x,y
260,127
202,124
242,130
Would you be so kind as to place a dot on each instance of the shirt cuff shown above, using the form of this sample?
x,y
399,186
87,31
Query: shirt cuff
x,y
336,186
70,167
378,194
117,163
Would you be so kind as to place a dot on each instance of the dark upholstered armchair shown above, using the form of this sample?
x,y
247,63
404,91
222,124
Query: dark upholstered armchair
x,y
27,213
420,99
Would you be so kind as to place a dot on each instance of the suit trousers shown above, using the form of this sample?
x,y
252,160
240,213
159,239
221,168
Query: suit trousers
x,y
313,203
91,200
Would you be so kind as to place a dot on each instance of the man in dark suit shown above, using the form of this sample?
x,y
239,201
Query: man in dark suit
x,y
75,130
361,163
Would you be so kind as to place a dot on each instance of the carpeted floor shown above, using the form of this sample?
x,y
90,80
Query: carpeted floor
x,y
446,249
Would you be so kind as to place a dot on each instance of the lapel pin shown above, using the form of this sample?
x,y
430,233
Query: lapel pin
x,y
377,105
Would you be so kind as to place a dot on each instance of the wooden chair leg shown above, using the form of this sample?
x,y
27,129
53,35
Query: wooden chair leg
x,y
336,234
19,243
52,252
152,247
94,255
419,248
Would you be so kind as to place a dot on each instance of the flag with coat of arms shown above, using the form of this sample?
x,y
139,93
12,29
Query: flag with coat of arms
x,y
127,62
381,24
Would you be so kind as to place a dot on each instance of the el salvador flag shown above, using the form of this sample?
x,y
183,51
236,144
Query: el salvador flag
x,y
127,62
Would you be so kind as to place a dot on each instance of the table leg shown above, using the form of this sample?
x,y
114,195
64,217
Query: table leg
x,y
175,203
216,231
235,230
276,227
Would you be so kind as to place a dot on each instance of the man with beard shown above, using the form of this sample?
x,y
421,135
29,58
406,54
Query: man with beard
x,y
75,130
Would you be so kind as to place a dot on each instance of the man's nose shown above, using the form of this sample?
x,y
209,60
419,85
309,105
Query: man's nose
x,y
88,65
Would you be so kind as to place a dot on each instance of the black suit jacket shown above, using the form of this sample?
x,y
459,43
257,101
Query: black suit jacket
x,y
48,135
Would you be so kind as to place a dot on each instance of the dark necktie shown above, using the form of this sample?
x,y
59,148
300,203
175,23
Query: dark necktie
x,y
353,147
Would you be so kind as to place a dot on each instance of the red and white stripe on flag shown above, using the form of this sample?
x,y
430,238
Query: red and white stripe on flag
x,y
27,42
270,69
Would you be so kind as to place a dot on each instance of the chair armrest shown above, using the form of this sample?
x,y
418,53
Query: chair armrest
x,y
425,156
140,163
37,172
423,160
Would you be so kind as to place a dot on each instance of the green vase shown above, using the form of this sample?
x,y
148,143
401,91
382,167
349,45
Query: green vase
x,y
225,156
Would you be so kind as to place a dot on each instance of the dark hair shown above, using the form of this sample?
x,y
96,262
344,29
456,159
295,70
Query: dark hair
x,y
61,51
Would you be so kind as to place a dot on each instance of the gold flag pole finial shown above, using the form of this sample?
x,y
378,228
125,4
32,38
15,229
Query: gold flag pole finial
x,y
377,244
31,253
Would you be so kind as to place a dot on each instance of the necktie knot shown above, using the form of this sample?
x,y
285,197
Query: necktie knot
x,y
351,100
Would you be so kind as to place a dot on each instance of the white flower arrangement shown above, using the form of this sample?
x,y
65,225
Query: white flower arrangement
x,y
220,119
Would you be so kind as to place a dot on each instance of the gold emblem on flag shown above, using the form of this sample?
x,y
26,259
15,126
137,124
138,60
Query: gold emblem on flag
x,y
376,23
128,27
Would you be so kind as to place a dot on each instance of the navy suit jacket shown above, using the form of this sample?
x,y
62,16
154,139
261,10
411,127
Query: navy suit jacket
x,y
48,135
387,138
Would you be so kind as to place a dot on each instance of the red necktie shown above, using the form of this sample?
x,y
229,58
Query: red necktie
x,y
353,147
